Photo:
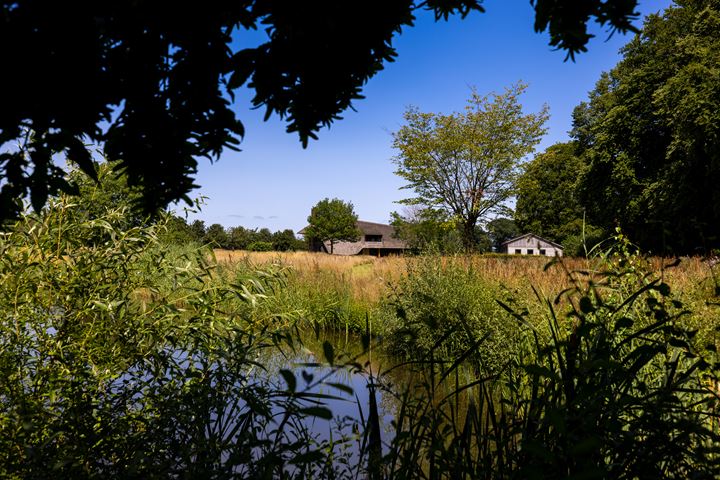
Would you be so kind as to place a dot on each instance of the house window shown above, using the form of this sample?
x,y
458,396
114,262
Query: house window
x,y
530,251
373,238
518,251
541,251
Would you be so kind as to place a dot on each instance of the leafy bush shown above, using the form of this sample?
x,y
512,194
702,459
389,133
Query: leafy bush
x,y
260,247
445,310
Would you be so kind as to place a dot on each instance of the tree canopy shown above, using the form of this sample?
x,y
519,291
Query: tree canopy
x,y
425,228
501,229
466,163
152,81
650,134
547,200
333,221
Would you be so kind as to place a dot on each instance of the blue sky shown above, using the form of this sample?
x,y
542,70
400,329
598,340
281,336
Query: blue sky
x,y
273,182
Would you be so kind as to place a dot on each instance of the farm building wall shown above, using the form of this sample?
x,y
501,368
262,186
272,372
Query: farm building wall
x,y
532,245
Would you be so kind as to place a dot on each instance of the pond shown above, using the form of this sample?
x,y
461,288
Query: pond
x,y
367,383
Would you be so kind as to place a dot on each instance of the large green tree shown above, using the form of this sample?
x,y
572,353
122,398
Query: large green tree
x,y
425,228
152,80
466,163
548,203
650,134
332,221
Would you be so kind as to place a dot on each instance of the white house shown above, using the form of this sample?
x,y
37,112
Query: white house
x,y
531,244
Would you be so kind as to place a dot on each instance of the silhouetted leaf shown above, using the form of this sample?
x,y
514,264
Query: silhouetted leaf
x,y
319,412
290,379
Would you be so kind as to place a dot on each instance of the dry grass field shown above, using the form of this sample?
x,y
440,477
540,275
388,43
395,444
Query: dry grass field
x,y
369,278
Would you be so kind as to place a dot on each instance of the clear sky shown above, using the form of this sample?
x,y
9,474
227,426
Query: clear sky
x,y
273,182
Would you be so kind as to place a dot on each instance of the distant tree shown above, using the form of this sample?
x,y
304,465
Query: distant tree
x,y
156,80
177,231
650,135
500,230
216,236
263,235
260,246
333,221
547,202
284,241
483,241
466,163
240,237
198,230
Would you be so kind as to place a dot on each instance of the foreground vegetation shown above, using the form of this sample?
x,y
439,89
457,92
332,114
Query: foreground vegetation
x,y
124,356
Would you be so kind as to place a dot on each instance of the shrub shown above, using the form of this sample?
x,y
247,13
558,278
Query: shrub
x,y
260,247
444,310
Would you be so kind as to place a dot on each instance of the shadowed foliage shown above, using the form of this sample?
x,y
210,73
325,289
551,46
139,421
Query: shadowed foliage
x,y
649,135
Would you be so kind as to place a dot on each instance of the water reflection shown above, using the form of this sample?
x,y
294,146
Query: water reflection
x,y
362,381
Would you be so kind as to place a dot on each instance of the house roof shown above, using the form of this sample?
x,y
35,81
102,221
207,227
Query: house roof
x,y
389,241
526,235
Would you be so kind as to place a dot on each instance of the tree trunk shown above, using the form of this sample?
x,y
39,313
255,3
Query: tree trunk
x,y
332,244
468,234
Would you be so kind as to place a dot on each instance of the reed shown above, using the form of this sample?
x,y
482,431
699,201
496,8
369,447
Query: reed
x,y
365,284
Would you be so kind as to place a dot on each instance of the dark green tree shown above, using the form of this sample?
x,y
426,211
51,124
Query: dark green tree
x,y
152,81
284,241
547,202
466,163
650,134
333,221
239,238
500,230
216,236
263,235
198,230
177,231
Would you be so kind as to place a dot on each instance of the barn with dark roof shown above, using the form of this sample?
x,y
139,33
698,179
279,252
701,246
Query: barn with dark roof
x,y
376,239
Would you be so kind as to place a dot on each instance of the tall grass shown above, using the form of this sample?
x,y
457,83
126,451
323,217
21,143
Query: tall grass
x,y
339,291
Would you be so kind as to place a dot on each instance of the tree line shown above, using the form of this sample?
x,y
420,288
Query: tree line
x,y
643,155
234,238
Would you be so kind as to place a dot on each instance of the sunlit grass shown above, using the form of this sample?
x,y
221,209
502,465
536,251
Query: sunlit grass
x,y
370,278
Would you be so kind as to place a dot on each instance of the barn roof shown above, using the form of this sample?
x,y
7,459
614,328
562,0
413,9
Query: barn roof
x,y
389,241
